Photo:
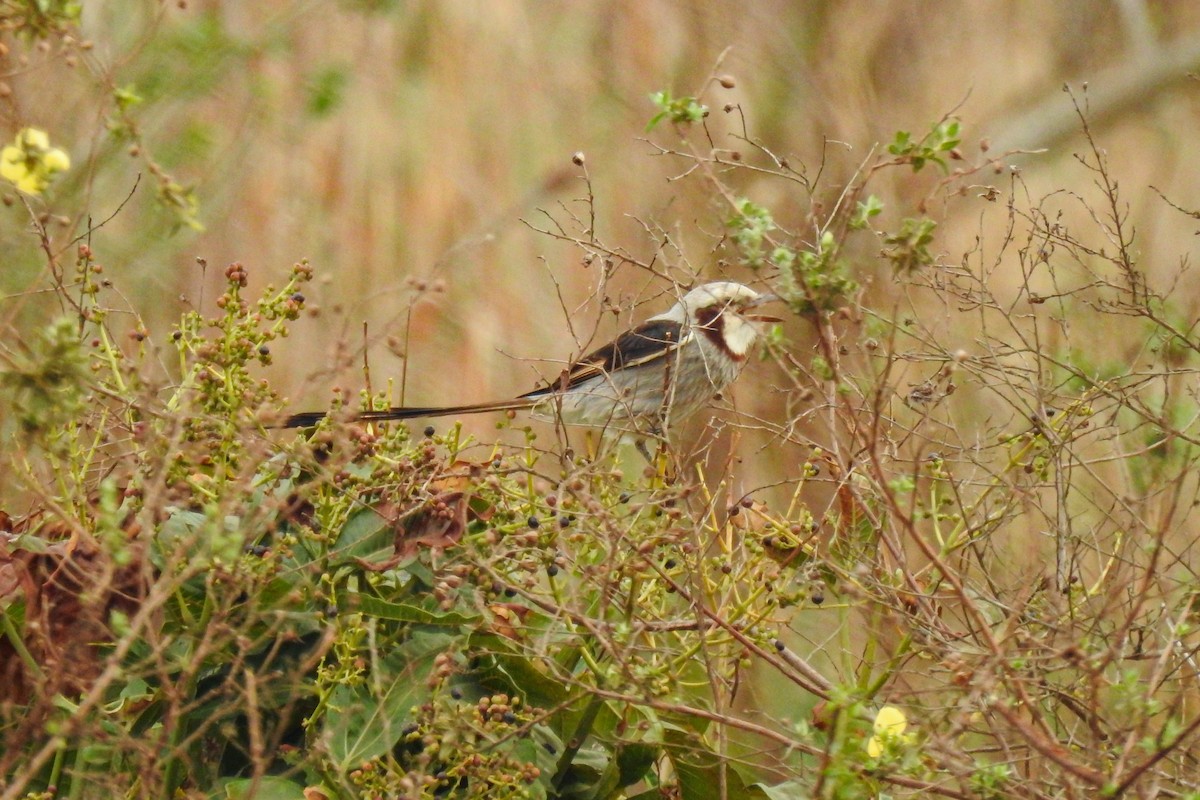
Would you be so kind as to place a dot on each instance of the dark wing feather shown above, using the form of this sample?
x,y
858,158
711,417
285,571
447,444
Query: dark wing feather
x,y
652,339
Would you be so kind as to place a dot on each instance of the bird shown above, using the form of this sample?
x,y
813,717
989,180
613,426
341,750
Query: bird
x,y
655,374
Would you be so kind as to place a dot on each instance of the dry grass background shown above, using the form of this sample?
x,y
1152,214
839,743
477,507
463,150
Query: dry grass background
x,y
400,145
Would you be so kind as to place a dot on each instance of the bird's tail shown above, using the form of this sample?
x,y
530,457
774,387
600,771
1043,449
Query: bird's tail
x,y
306,419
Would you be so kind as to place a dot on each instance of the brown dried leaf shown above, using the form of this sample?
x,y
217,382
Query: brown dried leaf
x,y
508,619
69,587
437,523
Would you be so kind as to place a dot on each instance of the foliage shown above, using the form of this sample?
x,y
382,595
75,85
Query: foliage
x,y
680,110
942,140
39,18
908,248
975,577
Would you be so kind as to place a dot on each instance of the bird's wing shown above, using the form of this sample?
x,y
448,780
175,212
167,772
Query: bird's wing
x,y
653,339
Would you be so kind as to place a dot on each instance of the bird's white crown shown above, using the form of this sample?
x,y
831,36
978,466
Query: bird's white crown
x,y
718,293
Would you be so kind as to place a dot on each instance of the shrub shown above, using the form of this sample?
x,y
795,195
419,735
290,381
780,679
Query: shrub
x,y
972,575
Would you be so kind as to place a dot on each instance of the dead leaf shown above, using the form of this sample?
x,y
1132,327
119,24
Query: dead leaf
x,y
69,587
507,618
436,523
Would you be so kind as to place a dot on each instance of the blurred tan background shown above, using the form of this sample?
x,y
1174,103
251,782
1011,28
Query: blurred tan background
x,y
393,142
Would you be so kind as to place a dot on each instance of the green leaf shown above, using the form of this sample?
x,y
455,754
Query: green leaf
x,y
268,787
633,761
699,779
699,771
126,96
908,248
198,535
588,776
505,668
900,144
405,612
366,535
679,109
864,211
595,774
362,724
788,790
750,226
942,137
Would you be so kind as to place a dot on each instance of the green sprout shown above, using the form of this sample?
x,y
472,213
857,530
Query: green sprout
x,y
908,248
943,137
676,109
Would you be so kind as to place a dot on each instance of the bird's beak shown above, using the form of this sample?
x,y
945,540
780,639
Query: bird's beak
x,y
762,299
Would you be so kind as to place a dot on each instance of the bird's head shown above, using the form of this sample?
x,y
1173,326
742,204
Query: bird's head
x,y
726,313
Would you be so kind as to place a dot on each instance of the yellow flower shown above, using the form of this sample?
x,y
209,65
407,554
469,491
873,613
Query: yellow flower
x,y
33,138
889,726
30,162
